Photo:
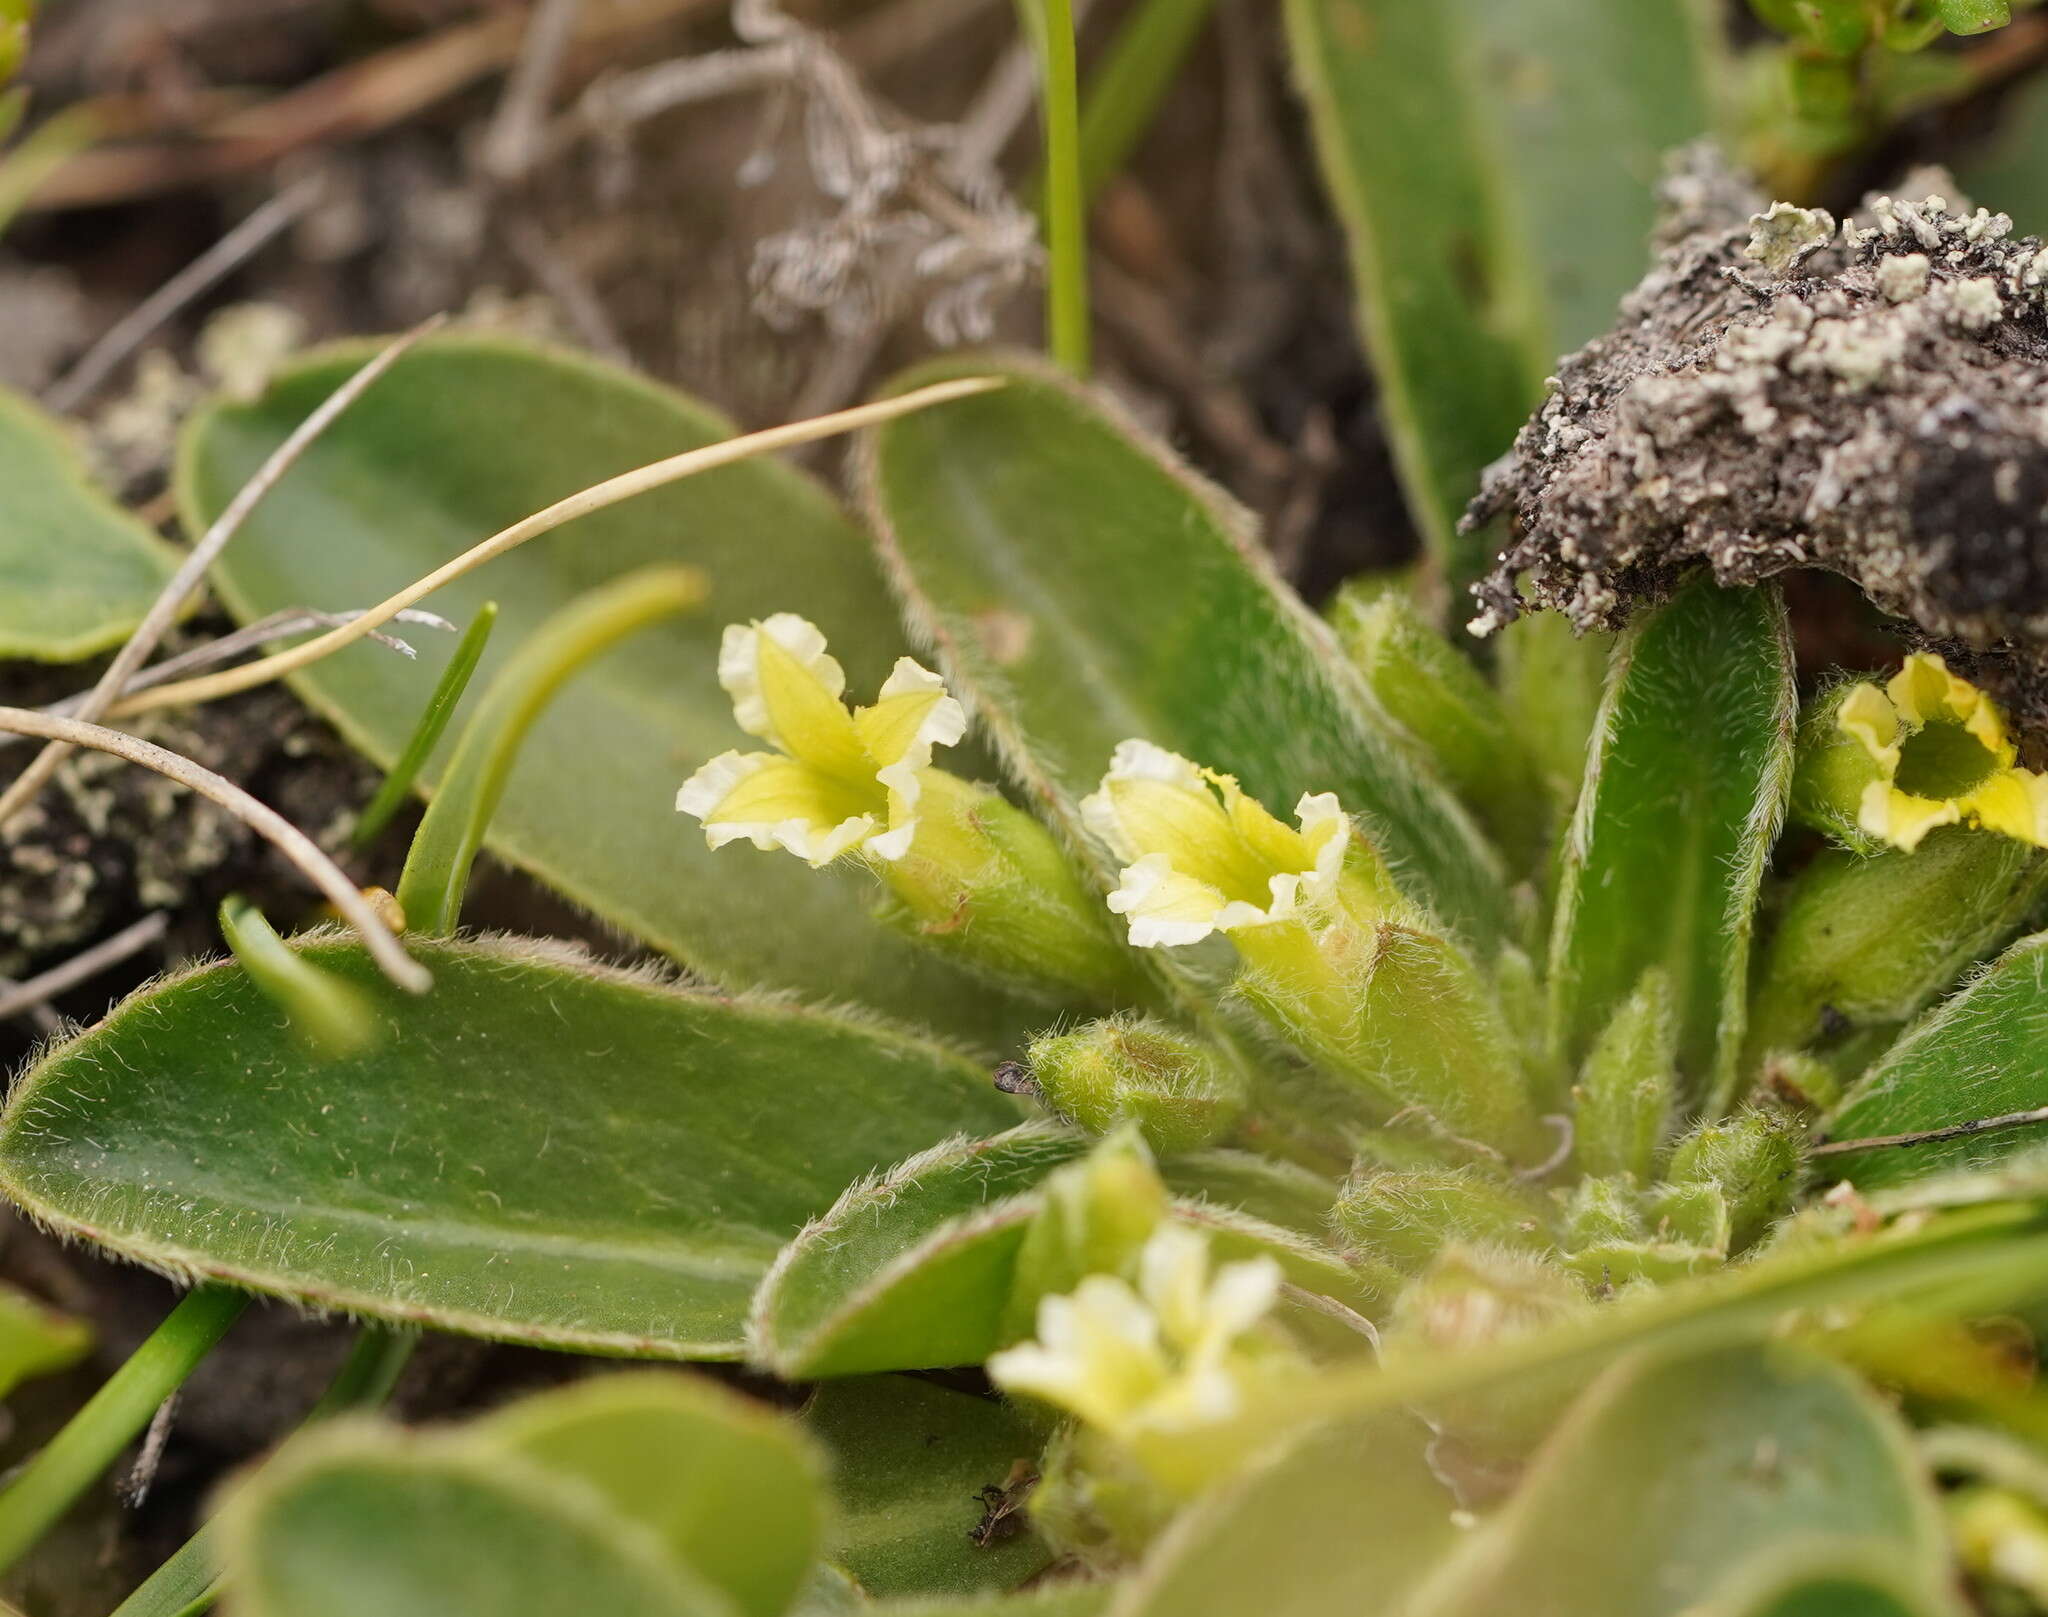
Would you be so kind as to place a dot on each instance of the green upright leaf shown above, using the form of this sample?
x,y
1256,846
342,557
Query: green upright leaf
x,y
469,434
1081,588
540,1149
1492,164
911,1461
76,571
1982,1054
1671,1470
1685,791
1342,1522
729,1487
358,1520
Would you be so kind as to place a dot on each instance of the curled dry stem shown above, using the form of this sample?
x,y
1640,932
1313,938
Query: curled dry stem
x,y
229,681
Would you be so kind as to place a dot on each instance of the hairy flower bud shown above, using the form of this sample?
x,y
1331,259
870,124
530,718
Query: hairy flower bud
x,y
1181,1093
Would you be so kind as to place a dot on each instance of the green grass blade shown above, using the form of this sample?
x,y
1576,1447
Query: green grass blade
x,y
451,833
433,724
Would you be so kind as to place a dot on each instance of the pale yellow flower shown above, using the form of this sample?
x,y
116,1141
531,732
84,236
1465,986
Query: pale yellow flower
x,y
841,780
1201,856
1943,756
1165,1356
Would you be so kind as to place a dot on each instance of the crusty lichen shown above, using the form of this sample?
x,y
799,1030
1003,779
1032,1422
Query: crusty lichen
x,y
105,840
1778,393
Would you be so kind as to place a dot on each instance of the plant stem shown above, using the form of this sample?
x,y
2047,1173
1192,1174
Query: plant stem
x,y
1051,26
113,1417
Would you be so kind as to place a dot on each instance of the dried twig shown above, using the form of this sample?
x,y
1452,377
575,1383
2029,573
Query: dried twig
x,y
141,1475
1954,1131
36,993
46,1020
192,571
359,99
288,839
563,282
595,498
1561,1126
514,141
99,362
278,626
912,210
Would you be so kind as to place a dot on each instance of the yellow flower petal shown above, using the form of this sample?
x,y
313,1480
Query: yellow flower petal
x,y
2013,803
1868,714
1166,909
1900,818
776,802
1202,856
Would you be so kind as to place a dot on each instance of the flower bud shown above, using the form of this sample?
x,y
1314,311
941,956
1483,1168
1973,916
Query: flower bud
x,y
1754,1158
1094,1218
984,881
1408,1217
1182,1094
1404,1015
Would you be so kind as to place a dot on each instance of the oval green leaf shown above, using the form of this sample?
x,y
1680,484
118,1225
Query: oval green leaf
x,y
76,571
362,1519
1672,1469
732,1489
1343,1521
540,1149
1685,790
469,434
910,1270
1082,588
911,1463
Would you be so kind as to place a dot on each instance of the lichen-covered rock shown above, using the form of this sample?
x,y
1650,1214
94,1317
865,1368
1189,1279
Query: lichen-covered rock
x,y
1778,393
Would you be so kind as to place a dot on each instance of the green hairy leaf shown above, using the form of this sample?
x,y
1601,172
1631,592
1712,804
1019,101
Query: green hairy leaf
x,y
360,1520
1982,1054
539,1149
730,1488
467,435
76,571
1685,791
